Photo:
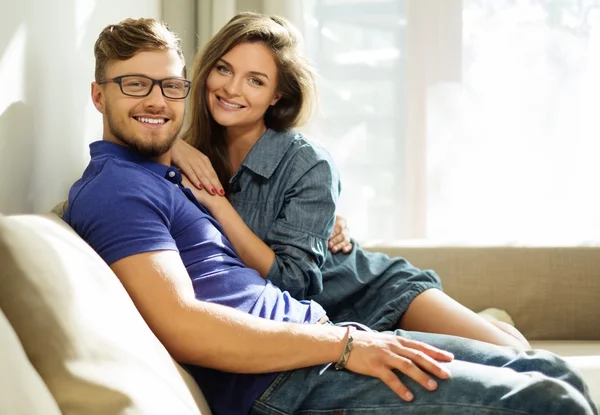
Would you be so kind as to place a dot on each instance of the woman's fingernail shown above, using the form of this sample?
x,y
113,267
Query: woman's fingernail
x,y
200,186
213,191
431,384
409,396
222,192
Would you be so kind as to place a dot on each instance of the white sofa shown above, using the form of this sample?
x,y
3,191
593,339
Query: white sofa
x,y
73,342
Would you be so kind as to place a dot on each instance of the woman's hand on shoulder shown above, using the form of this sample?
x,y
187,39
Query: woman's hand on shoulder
x,y
205,198
340,237
196,167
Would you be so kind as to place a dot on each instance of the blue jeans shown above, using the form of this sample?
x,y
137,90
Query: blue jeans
x,y
486,379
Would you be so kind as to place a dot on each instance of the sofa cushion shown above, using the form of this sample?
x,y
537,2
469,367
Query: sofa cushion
x,y
22,390
80,329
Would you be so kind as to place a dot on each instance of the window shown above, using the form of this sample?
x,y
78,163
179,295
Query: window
x,y
471,121
357,47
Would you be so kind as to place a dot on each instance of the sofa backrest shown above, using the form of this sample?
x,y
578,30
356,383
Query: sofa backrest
x,y
552,293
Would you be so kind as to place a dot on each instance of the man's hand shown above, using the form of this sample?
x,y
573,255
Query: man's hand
x,y
197,167
378,354
340,237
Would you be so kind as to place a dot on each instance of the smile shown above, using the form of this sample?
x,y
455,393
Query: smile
x,y
229,104
154,121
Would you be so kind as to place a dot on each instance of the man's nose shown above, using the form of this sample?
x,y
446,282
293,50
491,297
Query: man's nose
x,y
156,97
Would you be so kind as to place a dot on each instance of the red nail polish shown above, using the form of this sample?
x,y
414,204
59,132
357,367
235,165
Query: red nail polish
x,y
200,186
213,191
222,192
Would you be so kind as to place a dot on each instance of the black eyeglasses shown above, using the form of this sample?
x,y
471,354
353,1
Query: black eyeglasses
x,y
141,86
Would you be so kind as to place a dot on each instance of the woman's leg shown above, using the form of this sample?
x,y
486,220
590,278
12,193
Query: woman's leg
x,y
386,293
432,311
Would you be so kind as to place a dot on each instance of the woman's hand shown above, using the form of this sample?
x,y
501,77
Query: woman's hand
x,y
197,167
206,199
340,237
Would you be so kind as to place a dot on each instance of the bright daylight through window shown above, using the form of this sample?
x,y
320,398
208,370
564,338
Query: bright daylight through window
x,y
468,121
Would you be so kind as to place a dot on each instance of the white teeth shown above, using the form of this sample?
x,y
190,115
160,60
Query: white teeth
x,y
152,120
228,104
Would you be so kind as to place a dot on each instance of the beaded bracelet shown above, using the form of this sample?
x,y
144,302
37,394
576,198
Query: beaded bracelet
x,y
341,363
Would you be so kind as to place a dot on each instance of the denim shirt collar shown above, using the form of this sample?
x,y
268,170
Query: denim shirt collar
x,y
264,157
103,148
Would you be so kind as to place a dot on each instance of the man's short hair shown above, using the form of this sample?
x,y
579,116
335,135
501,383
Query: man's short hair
x,y
131,36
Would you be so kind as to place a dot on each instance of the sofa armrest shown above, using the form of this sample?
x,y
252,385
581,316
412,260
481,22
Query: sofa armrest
x,y
552,293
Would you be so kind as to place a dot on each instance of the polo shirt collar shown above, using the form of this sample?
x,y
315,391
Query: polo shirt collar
x,y
103,148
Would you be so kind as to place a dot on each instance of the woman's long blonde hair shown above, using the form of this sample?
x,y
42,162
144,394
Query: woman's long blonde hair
x,y
296,83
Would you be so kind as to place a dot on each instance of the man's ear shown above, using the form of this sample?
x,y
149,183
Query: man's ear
x,y
276,98
98,96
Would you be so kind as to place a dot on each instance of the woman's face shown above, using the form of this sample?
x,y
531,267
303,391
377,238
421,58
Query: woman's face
x,y
242,86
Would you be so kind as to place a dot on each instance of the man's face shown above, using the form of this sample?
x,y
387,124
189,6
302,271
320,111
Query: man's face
x,y
148,124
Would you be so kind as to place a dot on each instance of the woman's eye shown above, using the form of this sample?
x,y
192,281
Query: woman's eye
x,y
223,69
256,81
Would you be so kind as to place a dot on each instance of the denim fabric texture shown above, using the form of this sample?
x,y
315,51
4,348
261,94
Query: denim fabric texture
x,y
286,191
486,379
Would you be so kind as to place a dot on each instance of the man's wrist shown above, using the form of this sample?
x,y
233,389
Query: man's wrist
x,y
348,345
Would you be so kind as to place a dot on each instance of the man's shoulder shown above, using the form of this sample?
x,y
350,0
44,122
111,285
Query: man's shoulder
x,y
112,176
121,209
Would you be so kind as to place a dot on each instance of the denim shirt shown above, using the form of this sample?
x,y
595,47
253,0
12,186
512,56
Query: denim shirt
x,y
286,191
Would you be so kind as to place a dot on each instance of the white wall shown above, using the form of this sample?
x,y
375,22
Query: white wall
x,y
46,117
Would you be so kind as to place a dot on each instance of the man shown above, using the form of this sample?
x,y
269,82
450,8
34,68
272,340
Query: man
x,y
251,347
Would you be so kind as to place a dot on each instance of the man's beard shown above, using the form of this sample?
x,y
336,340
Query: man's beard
x,y
151,149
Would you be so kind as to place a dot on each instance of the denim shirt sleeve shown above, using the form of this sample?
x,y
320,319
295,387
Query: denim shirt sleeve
x,y
300,233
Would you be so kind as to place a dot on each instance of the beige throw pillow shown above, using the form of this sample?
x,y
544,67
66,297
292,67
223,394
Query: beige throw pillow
x,y
80,329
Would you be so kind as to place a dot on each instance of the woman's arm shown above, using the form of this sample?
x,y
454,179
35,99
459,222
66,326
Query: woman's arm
x,y
299,235
253,252
296,244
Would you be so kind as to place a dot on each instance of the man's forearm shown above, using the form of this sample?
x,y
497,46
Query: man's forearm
x,y
213,335
220,337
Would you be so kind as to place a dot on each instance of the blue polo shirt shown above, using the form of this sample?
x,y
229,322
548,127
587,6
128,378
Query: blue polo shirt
x,y
126,204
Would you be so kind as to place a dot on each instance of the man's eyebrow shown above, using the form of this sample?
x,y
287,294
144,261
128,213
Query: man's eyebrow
x,y
251,72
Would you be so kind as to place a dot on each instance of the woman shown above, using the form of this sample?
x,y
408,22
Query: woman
x,y
250,88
